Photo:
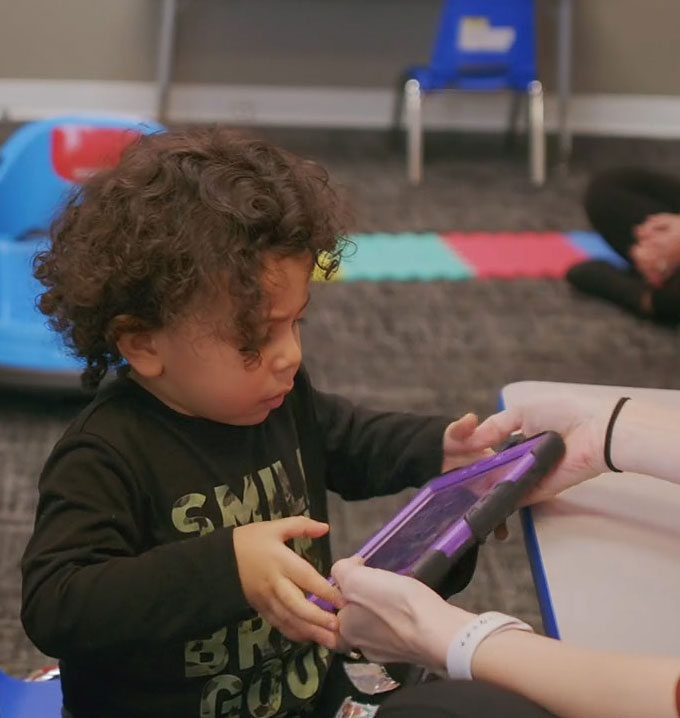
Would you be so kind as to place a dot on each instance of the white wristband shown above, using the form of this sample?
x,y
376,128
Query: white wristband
x,y
464,644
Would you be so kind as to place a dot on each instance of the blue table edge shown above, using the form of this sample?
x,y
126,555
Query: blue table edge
x,y
536,564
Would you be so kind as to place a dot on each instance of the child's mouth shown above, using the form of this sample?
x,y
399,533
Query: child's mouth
x,y
274,402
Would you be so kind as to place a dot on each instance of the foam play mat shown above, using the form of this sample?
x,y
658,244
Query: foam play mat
x,y
470,255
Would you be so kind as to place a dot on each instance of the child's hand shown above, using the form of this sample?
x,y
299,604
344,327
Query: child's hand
x,y
275,579
460,446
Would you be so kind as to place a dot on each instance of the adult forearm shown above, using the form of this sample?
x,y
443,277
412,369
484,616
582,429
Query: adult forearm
x,y
577,683
646,440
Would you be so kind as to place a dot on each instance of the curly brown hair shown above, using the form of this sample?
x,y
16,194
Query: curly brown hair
x,y
182,213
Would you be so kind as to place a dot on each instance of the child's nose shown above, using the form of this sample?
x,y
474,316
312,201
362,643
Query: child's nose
x,y
290,355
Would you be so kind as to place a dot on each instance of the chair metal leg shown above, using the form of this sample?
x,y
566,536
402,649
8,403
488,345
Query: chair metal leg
x,y
536,134
166,45
414,131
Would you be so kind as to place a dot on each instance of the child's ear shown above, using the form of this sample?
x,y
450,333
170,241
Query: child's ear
x,y
137,344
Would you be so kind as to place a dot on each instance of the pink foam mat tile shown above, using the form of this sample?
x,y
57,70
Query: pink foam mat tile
x,y
515,254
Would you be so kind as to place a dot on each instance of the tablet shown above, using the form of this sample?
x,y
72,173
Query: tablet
x,y
454,511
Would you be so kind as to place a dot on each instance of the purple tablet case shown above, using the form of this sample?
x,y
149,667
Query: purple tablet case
x,y
454,511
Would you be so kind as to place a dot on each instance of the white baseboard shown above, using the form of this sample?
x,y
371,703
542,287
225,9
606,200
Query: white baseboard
x,y
600,114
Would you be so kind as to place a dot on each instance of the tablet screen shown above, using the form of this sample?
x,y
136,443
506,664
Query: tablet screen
x,y
406,544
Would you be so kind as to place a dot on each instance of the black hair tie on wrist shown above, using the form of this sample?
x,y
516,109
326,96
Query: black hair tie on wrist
x,y
610,431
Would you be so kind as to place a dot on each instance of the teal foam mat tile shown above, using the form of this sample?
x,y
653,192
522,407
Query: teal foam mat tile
x,y
402,257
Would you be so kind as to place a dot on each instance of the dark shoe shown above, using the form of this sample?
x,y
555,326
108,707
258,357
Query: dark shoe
x,y
606,281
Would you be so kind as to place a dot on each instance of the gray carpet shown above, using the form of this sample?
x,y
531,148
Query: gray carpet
x,y
430,347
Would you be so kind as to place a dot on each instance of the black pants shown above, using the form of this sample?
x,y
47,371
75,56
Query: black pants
x,y
618,200
434,699
458,699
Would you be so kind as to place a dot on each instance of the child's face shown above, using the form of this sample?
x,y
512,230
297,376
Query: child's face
x,y
205,375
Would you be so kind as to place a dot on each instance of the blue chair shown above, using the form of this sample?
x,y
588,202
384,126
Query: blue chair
x,y
40,164
481,46
29,699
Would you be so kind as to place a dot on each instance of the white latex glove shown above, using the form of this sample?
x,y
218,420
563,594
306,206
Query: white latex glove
x,y
393,618
581,422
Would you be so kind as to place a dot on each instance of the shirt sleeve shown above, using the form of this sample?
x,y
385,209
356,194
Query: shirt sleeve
x,y
371,453
92,585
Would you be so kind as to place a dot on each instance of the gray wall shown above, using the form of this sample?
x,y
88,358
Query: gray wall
x,y
621,46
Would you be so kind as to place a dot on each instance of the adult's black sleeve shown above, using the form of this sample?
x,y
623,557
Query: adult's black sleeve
x,y
89,585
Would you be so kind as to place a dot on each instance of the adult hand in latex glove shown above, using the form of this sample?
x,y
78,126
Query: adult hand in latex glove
x,y
582,423
393,618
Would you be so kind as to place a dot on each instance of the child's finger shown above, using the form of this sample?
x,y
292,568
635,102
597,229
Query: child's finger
x,y
302,609
498,427
325,638
461,429
299,526
309,580
501,532
491,431
285,620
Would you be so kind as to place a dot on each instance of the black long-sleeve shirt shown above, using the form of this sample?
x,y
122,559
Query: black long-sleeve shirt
x,y
130,577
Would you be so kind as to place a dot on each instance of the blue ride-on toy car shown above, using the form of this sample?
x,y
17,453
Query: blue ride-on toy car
x,y
40,165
